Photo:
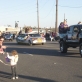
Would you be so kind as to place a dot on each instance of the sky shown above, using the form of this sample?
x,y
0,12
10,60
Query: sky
x,y
25,11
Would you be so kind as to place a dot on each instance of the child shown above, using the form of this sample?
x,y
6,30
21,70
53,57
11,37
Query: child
x,y
13,63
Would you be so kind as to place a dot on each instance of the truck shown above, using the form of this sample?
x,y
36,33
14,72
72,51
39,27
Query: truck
x,y
72,38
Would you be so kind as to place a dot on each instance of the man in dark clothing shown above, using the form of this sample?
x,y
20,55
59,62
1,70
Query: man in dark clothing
x,y
61,27
20,32
13,36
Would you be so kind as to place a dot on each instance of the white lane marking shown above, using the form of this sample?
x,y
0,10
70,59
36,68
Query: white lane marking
x,y
55,63
28,53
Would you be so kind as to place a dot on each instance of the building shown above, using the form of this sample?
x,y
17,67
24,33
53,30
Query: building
x,y
9,29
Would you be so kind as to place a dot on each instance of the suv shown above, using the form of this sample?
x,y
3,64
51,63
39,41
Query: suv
x,y
72,38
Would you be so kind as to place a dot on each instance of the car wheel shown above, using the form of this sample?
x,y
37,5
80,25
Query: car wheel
x,y
29,43
18,43
11,39
80,49
42,43
63,47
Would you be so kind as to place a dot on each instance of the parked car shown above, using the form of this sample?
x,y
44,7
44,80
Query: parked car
x,y
8,37
30,39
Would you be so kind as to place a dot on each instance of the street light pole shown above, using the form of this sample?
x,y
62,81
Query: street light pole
x,y
56,23
37,16
16,24
64,17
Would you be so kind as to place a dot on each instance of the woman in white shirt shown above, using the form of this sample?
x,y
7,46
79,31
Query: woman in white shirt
x,y
13,63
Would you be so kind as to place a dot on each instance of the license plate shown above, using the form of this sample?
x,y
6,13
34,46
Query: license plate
x,y
39,40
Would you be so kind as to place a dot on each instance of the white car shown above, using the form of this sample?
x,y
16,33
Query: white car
x,y
30,39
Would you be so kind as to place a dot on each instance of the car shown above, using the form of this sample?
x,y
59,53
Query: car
x,y
30,38
71,38
8,37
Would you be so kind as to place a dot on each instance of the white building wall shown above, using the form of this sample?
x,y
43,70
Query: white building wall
x,y
2,28
12,29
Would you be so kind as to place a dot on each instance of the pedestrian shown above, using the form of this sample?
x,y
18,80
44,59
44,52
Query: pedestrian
x,y
13,36
65,26
13,63
79,22
20,33
0,33
61,27
2,48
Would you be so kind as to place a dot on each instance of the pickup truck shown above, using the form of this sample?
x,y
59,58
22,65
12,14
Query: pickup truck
x,y
72,38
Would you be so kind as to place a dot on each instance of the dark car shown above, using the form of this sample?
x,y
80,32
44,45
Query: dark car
x,y
8,37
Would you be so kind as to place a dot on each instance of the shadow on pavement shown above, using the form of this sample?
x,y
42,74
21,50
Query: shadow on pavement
x,y
8,75
39,51
46,52
34,51
7,43
78,76
70,54
5,75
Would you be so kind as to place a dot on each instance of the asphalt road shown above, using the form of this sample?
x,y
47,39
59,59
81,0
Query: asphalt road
x,y
43,63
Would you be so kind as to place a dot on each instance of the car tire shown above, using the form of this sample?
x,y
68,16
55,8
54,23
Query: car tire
x,y
29,43
11,39
63,47
55,38
18,43
42,43
80,50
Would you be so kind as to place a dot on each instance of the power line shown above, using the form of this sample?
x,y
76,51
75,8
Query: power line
x,y
19,5
17,15
44,4
52,18
49,11
70,6
20,9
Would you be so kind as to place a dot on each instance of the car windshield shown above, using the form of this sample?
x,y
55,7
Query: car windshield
x,y
22,35
35,35
8,35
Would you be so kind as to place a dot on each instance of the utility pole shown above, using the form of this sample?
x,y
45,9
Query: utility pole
x,y
37,16
16,24
64,16
56,24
